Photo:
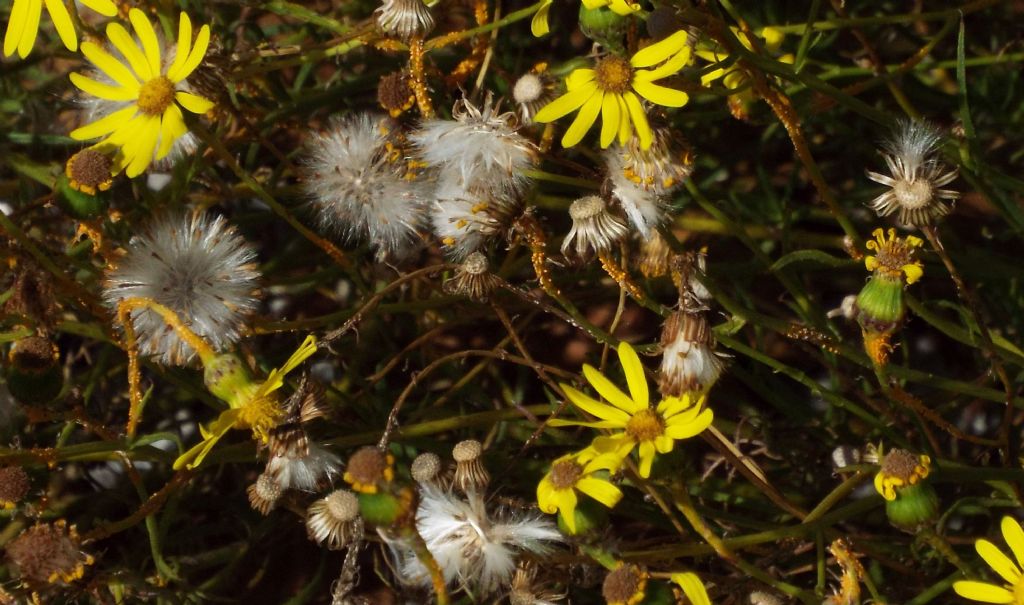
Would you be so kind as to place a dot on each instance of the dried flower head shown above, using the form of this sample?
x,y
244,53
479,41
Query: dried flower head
x,y
427,468
395,93
334,520
474,547
654,257
594,228
625,585
533,90
900,468
89,171
405,18
465,219
14,486
296,463
264,494
689,363
361,185
368,469
470,472
917,175
48,554
198,266
479,149
526,591
472,279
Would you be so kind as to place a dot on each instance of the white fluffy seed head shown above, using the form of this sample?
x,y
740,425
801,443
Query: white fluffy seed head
x,y
478,149
198,266
594,228
465,219
689,363
474,547
405,18
917,175
297,463
361,186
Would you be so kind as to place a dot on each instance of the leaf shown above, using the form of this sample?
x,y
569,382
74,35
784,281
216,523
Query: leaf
x,y
816,256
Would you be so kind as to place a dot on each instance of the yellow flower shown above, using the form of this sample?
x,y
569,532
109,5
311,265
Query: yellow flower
x,y
1013,590
772,38
539,25
23,27
580,471
253,406
692,587
611,89
899,469
648,429
147,94
894,257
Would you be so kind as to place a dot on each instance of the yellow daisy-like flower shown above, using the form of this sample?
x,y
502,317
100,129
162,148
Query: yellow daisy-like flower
x,y
1012,573
149,94
649,429
23,27
613,89
900,468
253,406
539,25
692,587
581,471
894,256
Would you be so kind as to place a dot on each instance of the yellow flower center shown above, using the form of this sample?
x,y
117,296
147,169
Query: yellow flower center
x,y
893,255
614,75
156,96
565,474
901,467
913,195
645,425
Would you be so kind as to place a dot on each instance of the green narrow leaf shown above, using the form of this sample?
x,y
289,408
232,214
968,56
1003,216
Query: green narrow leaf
x,y
816,256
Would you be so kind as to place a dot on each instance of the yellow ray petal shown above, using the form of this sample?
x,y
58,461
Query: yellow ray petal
x,y
635,377
622,8
981,591
646,458
539,25
184,43
148,133
276,378
104,7
595,408
579,77
670,406
109,65
567,508
668,68
1000,563
171,127
193,103
625,126
62,22
661,95
685,430
566,103
104,125
606,389
639,117
584,120
600,490
125,44
546,500
610,118
664,444
217,429
150,43
599,424
660,51
103,91
195,56
692,587
15,26
31,28
1014,536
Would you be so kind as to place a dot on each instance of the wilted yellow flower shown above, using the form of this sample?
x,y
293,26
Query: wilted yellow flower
x,y
1011,592
900,468
23,27
611,89
649,429
146,95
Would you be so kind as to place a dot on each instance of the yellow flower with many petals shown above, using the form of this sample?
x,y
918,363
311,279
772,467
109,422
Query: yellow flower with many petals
x,y
539,25
582,471
648,429
613,88
894,257
251,405
1012,573
23,26
147,94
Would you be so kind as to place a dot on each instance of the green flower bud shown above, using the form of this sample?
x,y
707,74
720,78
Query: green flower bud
x,y
386,509
604,27
79,204
880,304
226,376
915,505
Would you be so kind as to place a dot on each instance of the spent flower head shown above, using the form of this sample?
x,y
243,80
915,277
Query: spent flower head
x,y
625,585
1010,570
405,19
638,425
916,176
613,88
48,553
140,96
594,228
199,267
334,520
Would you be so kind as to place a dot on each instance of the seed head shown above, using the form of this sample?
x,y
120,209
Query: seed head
x,y
532,90
470,473
426,468
296,463
335,520
594,228
405,18
89,171
472,279
48,554
395,94
14,486
198,266
264,494
625,585
689,363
